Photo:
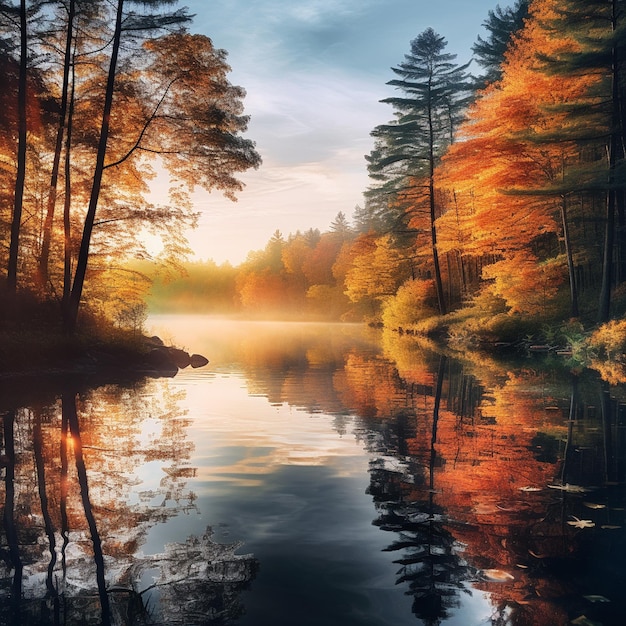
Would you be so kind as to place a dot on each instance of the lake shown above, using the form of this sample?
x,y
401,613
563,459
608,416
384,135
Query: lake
x,y
316,474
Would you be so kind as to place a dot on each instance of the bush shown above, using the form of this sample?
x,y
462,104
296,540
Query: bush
x,y
414,301
609,341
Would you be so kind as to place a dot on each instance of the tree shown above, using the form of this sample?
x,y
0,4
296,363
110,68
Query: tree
x,y
161,97
341,226
518,164
502,25
597,27
20,178
434,94
376,271
191,121
42,270
136,23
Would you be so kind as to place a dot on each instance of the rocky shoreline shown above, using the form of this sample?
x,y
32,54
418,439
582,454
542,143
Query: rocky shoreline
x,y
167,360
148,357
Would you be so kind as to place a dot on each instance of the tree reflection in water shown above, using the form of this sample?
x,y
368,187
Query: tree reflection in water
x,y
431,562
491,480
71,536
503,481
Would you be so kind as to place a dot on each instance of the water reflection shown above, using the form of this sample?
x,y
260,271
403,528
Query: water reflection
x,y
504,482
74,521
375,479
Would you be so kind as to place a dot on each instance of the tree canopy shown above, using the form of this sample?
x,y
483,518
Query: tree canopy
x,y
101,96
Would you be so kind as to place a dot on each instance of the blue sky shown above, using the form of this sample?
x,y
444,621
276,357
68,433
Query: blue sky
x,y
314,72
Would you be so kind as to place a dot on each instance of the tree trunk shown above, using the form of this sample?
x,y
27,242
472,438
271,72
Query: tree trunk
x,y
67,228
71,313
441,301
604,308
20,179
42,270
573,287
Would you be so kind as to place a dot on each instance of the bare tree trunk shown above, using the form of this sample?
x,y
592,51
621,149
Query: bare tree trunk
x,y
71,312
570,259
42,270
20,179
441,301
615,154
67,228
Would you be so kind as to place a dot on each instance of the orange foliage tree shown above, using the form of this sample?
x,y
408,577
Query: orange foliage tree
x,y
510,171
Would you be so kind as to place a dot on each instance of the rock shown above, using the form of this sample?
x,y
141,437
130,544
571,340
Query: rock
x,y
161,362
179,357
197,360
155,341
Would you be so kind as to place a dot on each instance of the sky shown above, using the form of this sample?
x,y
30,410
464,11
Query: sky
x,y
314,72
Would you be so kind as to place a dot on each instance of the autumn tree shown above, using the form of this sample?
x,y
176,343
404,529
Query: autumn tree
x,y
162,97
377,269
597,115
515,170
134,23
433,95
19,14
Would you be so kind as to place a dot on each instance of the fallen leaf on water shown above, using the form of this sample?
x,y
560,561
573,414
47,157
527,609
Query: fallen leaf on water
x,y
583,620
529,488
497,575
595,598
569,488
610,526
581,523
594,505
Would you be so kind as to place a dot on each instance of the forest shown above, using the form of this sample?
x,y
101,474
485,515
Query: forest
x,y
496,204
98,98
495,211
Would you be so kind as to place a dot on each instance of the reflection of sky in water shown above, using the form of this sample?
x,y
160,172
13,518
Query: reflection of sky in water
x,y
290,486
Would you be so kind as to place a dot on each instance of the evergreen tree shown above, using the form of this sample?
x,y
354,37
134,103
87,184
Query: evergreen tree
x,y
434,94
340,226
502,25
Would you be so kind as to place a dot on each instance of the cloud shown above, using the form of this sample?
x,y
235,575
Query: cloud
x,y
314,72
306,118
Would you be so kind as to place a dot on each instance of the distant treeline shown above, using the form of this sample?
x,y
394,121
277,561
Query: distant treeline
x,y
303,276
497,205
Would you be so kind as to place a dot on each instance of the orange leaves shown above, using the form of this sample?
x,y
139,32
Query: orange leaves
x,y
512,165
376,271
527,286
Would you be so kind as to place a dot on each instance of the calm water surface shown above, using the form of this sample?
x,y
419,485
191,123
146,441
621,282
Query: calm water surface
x,y
315,475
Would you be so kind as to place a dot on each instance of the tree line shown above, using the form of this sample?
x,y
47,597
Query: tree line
x,y
97,98
496,201
509,198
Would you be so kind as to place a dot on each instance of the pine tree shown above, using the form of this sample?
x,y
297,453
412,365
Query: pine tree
x,y
434,94
502,25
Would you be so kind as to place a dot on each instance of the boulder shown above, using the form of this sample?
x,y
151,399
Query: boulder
x,y
159,360
197,360
180,357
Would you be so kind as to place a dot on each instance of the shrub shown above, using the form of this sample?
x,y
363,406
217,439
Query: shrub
x,y
609,341
414,301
